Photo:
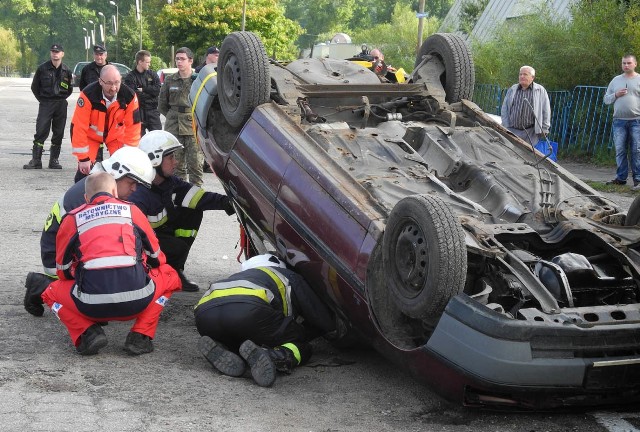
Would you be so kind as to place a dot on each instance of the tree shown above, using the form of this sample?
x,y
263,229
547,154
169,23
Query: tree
x,y
9,52
201,23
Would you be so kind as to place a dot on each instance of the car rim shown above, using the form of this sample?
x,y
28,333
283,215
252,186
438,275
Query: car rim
x,y
232,80
412,258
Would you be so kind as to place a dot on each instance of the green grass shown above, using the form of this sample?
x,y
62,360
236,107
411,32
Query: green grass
x,y
619,189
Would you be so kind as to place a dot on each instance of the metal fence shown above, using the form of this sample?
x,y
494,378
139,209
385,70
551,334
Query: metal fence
x,y
580,121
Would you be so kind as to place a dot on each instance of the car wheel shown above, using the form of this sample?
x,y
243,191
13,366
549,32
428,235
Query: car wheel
x,y
424,256
243,81
633,215
458,76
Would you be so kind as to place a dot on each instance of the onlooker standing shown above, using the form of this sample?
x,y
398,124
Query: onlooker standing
x,y
91,72
624,93
106,113
526,110
174,104
146,84
51,85
212,58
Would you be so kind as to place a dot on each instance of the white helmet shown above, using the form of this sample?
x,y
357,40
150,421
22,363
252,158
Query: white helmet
x,y
266,260
158,144
131,162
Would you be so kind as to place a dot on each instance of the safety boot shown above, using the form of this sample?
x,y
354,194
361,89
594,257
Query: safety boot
x,y
220,358
100,155
36,156
53,157
36,283
137,343
263,369
92,340
187,285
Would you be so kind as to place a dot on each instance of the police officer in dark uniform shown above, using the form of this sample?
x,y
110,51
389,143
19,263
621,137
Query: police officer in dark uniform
x,y
268,313
51,85
146,84
91,72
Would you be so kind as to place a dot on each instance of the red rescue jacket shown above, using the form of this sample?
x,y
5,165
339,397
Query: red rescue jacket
x,y
106,247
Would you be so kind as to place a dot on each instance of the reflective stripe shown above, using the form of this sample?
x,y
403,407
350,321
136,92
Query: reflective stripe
x,y
50,272
121,297
64,267
107,220
113,261
294,349
152,254
81,150
158,220
235,291
246,287
185,233
96,130
192,198
283,287
56,214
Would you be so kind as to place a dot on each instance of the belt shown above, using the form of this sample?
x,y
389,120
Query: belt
x,y
525,128
182,109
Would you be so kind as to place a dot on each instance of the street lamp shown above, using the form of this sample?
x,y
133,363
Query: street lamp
x,y
93,32
86,43
103,29
139,16
116,28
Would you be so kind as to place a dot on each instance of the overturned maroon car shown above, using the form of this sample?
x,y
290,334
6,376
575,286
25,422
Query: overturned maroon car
x,y
457,251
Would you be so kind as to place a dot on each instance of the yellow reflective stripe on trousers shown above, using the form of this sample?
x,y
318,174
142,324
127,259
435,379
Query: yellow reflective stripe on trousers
x,y
294,349
282,288
185,233
218,293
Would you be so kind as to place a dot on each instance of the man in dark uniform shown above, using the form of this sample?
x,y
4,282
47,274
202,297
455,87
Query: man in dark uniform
x,y
51,86
146,84
268,314
91,73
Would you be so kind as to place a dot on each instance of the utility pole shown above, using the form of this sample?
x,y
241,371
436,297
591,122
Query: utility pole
x,y
421,16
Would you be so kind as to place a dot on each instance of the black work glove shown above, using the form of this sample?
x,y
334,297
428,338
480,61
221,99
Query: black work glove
x,y
228,206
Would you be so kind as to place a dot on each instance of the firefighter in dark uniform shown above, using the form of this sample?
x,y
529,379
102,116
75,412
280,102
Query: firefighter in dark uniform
x,y
51,85
146,84
267,313
91,73
173,206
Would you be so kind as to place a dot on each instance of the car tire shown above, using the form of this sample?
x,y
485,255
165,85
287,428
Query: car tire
x,y
458,78
243,81
424,256
633,215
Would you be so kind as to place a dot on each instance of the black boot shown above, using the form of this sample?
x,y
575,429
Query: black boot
x,y
53,157
187,285
283,358
225,361
263,369
36,157
92,340
36,284
100,155
137,343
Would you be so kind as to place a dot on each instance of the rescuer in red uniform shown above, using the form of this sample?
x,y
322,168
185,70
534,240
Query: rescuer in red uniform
x,y
110,267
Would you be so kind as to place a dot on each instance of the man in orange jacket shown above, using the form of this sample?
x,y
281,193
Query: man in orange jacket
x,y
106,112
